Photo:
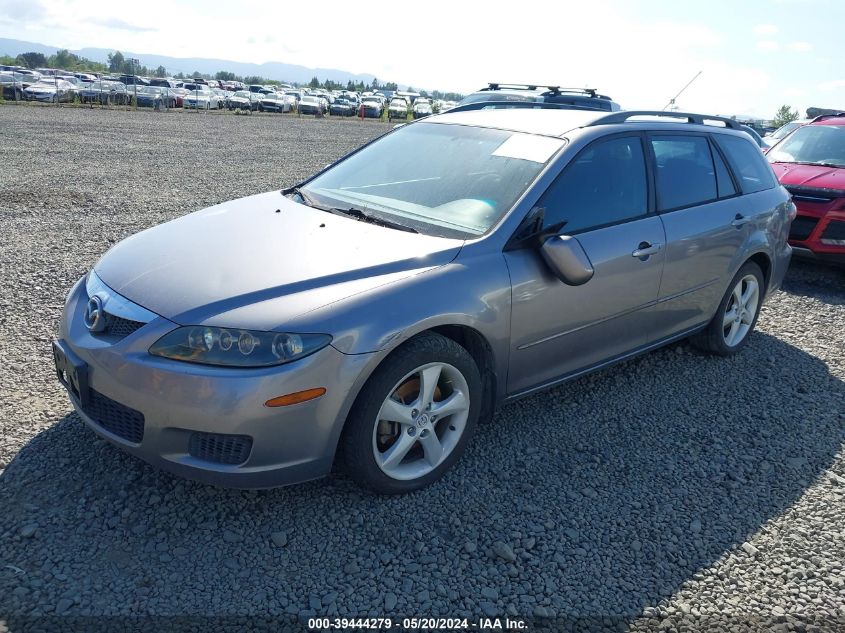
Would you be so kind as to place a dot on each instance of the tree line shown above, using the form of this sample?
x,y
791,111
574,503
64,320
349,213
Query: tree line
x,y
120,65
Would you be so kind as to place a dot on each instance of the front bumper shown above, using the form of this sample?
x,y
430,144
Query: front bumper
x,y
180,402
819,233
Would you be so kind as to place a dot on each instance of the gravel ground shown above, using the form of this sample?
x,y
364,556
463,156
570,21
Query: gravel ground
x,y
675,491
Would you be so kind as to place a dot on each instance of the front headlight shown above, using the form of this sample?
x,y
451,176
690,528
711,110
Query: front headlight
x,y
231,347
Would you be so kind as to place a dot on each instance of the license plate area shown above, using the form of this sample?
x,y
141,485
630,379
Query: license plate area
x,y
72,372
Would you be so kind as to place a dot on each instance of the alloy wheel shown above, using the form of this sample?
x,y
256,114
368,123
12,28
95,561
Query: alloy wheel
x,y
740,310
421,421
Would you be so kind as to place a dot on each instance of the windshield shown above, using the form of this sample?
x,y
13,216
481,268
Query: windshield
x,y
783,130
241,93
398,103
447,180
812,144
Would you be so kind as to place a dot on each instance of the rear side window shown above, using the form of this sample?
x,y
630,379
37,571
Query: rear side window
x,y
748,163
686,175
724,183
605,184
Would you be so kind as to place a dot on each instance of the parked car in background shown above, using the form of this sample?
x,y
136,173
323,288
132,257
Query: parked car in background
x,y
133,80
244,100
179,96
422,107
273,102
50,89
783,131
398,109
155,97
377,310
309,104
200,97
342,107
586,98
12,85
162,83
104,93
810,163
373,106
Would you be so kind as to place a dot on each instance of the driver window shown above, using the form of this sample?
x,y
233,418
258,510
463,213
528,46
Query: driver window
x,y
605,184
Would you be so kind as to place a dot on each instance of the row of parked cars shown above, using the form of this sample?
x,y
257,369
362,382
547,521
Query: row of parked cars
x,y
60,87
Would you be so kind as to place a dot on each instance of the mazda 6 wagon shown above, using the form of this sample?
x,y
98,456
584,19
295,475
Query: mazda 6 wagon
x,y
374,313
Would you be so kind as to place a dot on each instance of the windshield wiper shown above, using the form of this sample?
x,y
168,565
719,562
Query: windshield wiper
x,y
818,163
360,214
306,199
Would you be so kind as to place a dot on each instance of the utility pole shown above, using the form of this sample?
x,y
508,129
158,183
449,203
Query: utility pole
x,y
671,104
134,63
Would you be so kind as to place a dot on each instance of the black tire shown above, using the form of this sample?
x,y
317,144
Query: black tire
x,y
357,440
712,338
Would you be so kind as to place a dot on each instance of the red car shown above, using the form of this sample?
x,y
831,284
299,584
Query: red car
x,y
810,163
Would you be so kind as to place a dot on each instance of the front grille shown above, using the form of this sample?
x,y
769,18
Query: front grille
x,y
220,448
801,227
119,327
115,418
834,231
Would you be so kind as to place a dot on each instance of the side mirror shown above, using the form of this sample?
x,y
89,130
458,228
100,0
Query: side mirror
x,y
567,259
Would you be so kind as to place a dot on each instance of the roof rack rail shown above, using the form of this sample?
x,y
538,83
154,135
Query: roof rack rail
x,y
525,105
822,117
593,92
624,115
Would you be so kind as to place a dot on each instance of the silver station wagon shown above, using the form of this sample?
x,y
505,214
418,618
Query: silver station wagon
x,y
377,311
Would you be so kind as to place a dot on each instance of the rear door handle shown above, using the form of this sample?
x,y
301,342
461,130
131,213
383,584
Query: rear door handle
x,y
645,249
740,220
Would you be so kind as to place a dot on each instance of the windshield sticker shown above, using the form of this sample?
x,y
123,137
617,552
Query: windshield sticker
x,y
537,149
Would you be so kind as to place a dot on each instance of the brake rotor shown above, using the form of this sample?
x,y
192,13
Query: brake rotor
x,y
405,393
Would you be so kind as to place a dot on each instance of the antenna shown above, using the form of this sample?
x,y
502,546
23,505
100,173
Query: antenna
x,y
671,103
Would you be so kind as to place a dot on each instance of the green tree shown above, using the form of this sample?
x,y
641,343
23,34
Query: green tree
x,y
161,71
314,83
63,59
116,62
224,75
32,60
784,115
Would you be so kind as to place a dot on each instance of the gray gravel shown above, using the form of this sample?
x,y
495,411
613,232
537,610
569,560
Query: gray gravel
x,y
672,491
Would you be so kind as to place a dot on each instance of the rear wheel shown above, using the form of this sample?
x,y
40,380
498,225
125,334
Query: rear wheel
x,y
737,314
414,417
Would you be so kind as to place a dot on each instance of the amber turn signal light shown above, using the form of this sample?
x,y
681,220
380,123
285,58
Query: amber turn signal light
x,y
295,398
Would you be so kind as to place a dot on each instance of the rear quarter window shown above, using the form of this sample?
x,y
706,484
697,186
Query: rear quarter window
x,y
750,167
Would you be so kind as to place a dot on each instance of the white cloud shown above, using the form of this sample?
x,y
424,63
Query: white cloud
x,y
765,29
835,84
768,45
800,47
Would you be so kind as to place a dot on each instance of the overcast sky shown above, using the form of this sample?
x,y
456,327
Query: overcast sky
x,y
755,54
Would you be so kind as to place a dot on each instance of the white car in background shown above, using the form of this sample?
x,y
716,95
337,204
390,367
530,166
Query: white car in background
x,y
51,90
398,109
422,107
201,97
783,131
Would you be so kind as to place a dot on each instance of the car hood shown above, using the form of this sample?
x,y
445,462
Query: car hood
x,y
219,266
810,175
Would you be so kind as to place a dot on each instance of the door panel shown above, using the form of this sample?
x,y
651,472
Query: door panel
x,y
701,245
558,329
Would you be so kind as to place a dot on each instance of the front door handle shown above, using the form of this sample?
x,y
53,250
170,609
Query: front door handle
x,y
645,249
740,220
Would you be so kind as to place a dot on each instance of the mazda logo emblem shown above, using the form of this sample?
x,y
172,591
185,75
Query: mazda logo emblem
x,y
95,318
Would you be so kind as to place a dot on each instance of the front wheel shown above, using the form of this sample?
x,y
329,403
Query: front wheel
x,y
414,417
730,328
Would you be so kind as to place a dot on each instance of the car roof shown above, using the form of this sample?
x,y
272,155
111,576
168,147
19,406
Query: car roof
x,y
558,122
529,121
829,120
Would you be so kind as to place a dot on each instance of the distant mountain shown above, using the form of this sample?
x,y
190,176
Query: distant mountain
x,y
270,70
